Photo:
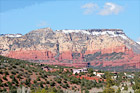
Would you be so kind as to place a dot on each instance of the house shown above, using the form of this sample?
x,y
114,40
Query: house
x,y
98,74
115,75
128,75
79,70
76,71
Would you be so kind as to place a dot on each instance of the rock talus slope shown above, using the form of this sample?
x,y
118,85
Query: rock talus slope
x,y
101,48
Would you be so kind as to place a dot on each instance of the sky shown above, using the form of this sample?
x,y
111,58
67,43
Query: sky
x,y
23,16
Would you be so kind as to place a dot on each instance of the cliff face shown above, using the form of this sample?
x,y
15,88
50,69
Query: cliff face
x,y
97,47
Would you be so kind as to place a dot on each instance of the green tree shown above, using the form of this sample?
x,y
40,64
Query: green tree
x,y
90,71
86,91
137,91
109,83
41,84
118,90
125,87
35,81
52,83
6,73
76,74
38,78
4,77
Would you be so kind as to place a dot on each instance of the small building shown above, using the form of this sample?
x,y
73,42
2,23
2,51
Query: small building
x,y
129,76
114,77
79,70
98,74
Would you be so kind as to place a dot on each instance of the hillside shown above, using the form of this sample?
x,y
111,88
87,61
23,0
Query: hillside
x,y
106,49
14,74
18,76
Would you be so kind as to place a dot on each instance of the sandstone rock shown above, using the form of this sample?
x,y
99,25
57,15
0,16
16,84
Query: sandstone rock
x,y
99,47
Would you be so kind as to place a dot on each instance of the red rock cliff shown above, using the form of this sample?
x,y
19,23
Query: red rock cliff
x,y
99,47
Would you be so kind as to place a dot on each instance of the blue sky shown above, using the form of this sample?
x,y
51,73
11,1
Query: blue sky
x,y
22,16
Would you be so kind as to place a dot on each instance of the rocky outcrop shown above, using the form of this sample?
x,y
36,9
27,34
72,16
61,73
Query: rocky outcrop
x,y
97,47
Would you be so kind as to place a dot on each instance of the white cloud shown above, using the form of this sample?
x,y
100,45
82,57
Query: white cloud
x,y
89,8
110,8
42,23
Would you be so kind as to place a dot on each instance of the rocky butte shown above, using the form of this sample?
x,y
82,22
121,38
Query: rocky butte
x,y
108,49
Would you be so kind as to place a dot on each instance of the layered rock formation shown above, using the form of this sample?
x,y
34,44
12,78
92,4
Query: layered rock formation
x,y
102,48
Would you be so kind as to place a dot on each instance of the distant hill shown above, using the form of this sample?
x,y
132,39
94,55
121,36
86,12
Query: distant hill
x,y
108,49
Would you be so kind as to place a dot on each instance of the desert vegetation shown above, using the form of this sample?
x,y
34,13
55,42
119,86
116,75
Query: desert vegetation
x,y
19,75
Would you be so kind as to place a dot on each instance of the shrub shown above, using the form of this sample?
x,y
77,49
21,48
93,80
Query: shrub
x,y
73,88
52,83
14,66
38,79
5,84
35,81
58,80
1,72
6,73
41,84
0,80
12,76
60,91
47,82
125,87
54,89
46,87
27,82
118,90
18,76
4,77
4,89
13,72
14,80
9,84
65,81
90,70
86,91
64,86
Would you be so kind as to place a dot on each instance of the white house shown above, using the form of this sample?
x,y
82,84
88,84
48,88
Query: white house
x,y
129,76
98,74
79,70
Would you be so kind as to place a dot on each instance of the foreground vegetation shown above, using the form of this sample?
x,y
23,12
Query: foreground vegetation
x,y
19,75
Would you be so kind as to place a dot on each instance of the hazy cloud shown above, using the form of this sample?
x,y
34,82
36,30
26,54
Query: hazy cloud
x,y
110,8
42,23
89,8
